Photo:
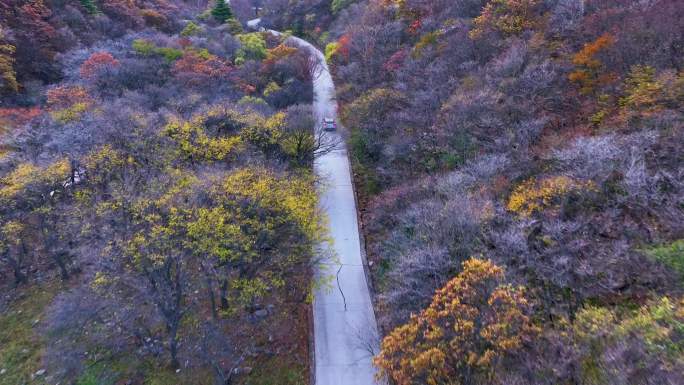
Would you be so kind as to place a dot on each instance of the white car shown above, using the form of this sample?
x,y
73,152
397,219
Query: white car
x,y
329,124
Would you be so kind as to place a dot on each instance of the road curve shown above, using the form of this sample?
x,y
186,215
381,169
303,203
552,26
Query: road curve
x,y
345,329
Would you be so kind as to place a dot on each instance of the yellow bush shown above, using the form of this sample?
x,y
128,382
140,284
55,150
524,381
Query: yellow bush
x,y
646,93
508,17
27,176
70,114
533,195
7,61
194,142
271,88
427,40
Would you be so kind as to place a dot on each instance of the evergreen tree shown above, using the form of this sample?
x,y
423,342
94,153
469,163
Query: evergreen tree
x,y
222,11
90,6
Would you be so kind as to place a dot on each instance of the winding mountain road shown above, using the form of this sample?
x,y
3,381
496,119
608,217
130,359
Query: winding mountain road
x,y
345,329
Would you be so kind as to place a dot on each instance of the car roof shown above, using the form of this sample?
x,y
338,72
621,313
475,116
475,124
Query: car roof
x,y
329,119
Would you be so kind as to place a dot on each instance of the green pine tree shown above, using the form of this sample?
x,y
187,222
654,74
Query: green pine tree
x,y
90,6
222,11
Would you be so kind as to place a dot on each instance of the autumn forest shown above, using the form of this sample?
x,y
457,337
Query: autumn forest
x,y
518,170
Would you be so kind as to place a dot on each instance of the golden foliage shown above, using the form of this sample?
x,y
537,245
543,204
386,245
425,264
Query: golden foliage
x,y
430,39
508,17
646,93
103,164
27,175
293,198
195,143
70,114
279,52
265,133
7,72
533,195
472,322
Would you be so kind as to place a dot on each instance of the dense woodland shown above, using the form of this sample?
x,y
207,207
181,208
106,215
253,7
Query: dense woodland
x,y
521,168
157,209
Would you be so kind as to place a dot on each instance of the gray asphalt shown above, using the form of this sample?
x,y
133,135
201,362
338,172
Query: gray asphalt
x,y
345,329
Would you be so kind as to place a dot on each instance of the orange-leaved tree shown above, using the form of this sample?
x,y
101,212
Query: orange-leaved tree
x,y
472,324
96,63
589,71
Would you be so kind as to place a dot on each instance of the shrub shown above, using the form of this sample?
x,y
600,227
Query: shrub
x,y
337,5
646,95
266,133
191,29
89,6
199,67
280,52
64,96
589,69
234,26
610,343
194,143
330,50
169,54
339,48
147,48
508,17
271,88
143,47
670,255
155,19
7,72
253,47
252,100
97,63
430,39
534,195
70,114
17,116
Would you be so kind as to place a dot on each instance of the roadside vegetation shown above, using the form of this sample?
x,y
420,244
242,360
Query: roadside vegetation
x,y
158,211
539,140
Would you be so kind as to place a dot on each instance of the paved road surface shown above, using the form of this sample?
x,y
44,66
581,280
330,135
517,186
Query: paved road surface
x,y
343,338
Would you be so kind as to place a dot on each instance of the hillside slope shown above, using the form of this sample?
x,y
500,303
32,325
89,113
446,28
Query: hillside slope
x,y
158,210
528,151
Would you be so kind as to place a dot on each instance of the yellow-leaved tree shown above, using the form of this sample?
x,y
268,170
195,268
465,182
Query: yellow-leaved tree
x,y
473,322
8,76
506,17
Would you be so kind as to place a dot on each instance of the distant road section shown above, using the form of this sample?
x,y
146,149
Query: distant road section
x,y
345,329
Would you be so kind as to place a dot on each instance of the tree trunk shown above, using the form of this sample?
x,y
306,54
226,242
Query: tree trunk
x,y
19,277
173,347
63,270
212,297
224,294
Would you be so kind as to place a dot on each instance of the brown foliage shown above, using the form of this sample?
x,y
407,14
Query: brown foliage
x,y
64,96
